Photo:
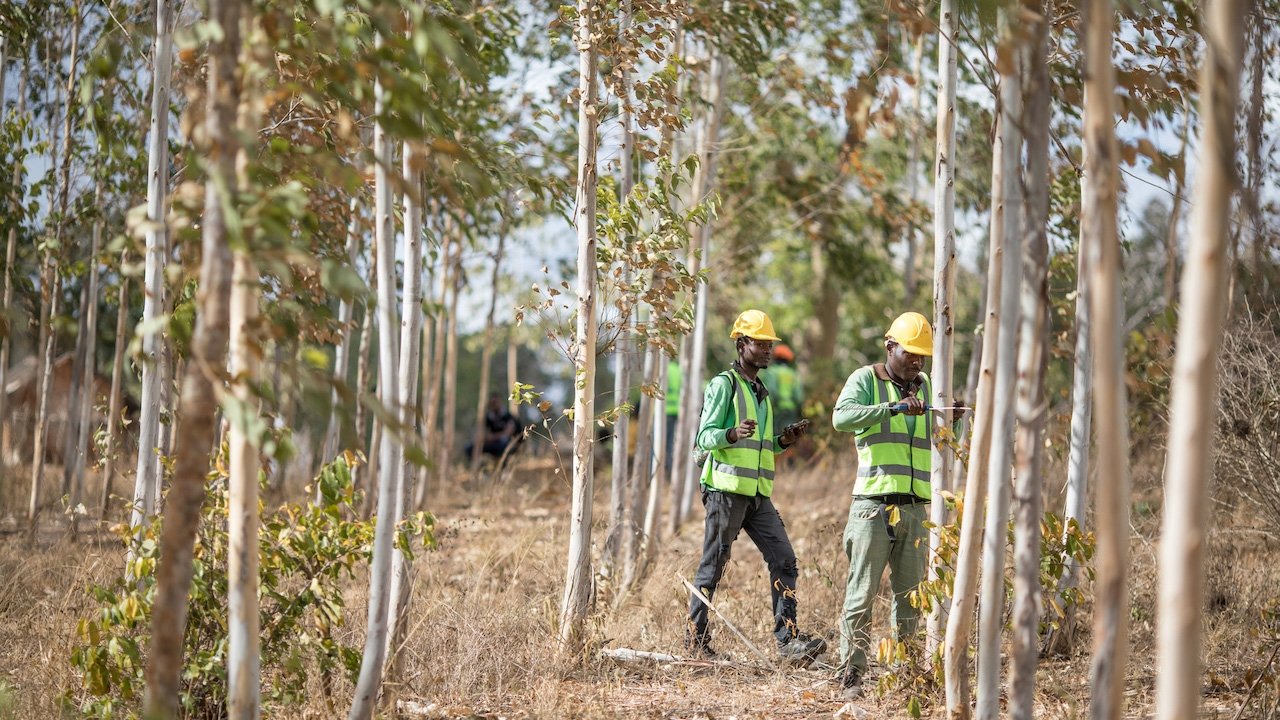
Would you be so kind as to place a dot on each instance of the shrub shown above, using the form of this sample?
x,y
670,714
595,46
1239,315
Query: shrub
x,y
305,554
1248,427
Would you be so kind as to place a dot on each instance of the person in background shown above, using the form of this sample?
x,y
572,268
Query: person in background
x,y
501,429
674,381
885,406
737,432
784,385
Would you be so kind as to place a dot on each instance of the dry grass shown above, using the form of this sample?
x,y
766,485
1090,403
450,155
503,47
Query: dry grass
x,y
483,627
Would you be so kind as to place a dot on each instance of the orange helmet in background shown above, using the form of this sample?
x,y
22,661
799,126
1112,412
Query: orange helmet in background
x,y
783,353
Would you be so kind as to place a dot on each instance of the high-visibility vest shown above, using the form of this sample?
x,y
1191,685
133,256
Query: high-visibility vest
x,y
892,459
745,467
673,387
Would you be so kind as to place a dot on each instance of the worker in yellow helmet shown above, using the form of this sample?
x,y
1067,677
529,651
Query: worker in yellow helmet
x,y
885,406
737,431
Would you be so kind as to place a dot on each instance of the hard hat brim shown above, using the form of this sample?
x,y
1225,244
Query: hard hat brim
x,y
921,350
761,336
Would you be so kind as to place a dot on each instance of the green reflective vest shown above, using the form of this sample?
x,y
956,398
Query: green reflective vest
x,y
892,459
745,467
673,387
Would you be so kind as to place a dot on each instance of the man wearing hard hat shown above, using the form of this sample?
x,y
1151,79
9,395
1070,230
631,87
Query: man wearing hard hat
x,y
737,431
885,406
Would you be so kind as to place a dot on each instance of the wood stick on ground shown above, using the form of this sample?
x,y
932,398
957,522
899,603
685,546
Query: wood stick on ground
x,y
698,594
1257,681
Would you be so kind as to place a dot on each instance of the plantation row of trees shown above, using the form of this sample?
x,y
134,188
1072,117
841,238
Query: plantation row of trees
x,y
317,181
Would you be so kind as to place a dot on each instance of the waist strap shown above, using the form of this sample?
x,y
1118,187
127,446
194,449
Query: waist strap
x,y
893,499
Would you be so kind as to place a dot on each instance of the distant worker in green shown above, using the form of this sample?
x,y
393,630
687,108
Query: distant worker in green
x,y
784,385
885,406
737,430
674,381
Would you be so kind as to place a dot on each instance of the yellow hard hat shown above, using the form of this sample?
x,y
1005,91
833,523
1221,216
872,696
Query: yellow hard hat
x,y
753,324
911,330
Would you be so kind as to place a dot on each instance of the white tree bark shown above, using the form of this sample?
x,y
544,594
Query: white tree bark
x,y
1110,628
89,342
208,357
1033,353
342,353
11,249
991,616
1200,322
915,126
431,396
718,73
375,646
577,586
944,291
144,489
407,391
115,399
486,351
243,673
964,595
627,343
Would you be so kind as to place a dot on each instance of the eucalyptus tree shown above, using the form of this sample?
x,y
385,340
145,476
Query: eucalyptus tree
x,y
1033,352
146,478
51,279
1110,629
577,589
1185,529
219,224
944,270
991,603
13,132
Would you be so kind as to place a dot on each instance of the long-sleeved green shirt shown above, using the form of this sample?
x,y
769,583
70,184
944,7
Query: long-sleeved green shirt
x,y
854,409
718,416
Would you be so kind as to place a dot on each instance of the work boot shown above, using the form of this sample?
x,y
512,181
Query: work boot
x,y
851,684
802,649
699,647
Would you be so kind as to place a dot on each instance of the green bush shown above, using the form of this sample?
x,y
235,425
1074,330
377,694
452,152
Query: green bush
x,y
307,553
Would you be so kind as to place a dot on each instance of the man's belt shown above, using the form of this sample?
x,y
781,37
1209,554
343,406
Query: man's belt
x,y
894,499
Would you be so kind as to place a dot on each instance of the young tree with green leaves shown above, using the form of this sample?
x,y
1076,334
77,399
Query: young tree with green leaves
x,y
220,226
577,588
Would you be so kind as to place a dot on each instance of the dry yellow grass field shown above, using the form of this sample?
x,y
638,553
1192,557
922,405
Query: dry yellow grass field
x,y
482,633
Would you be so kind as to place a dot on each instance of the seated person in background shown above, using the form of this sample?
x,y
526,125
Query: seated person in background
x,y
501,429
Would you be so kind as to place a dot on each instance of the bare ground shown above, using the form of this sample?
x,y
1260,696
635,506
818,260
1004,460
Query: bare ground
x,y
483,627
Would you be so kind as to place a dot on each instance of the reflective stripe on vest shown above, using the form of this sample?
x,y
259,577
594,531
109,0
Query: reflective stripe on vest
x,y
745,467
890,458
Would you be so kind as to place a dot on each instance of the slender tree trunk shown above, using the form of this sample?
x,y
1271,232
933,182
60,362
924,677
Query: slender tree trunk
x,y
115,401
577,585
641,474
627,343
1253,141
964,596
10,255
362,386
243,661
449,413
390,451
486,353
513,353
70,412
1076,504
144,489
341,354
90,341
718,76
915,126
1175,217
49,357
242,567
431,430
1032,358
199,395
991,604
659,472
1195,379
1110,628
944,292
407,391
